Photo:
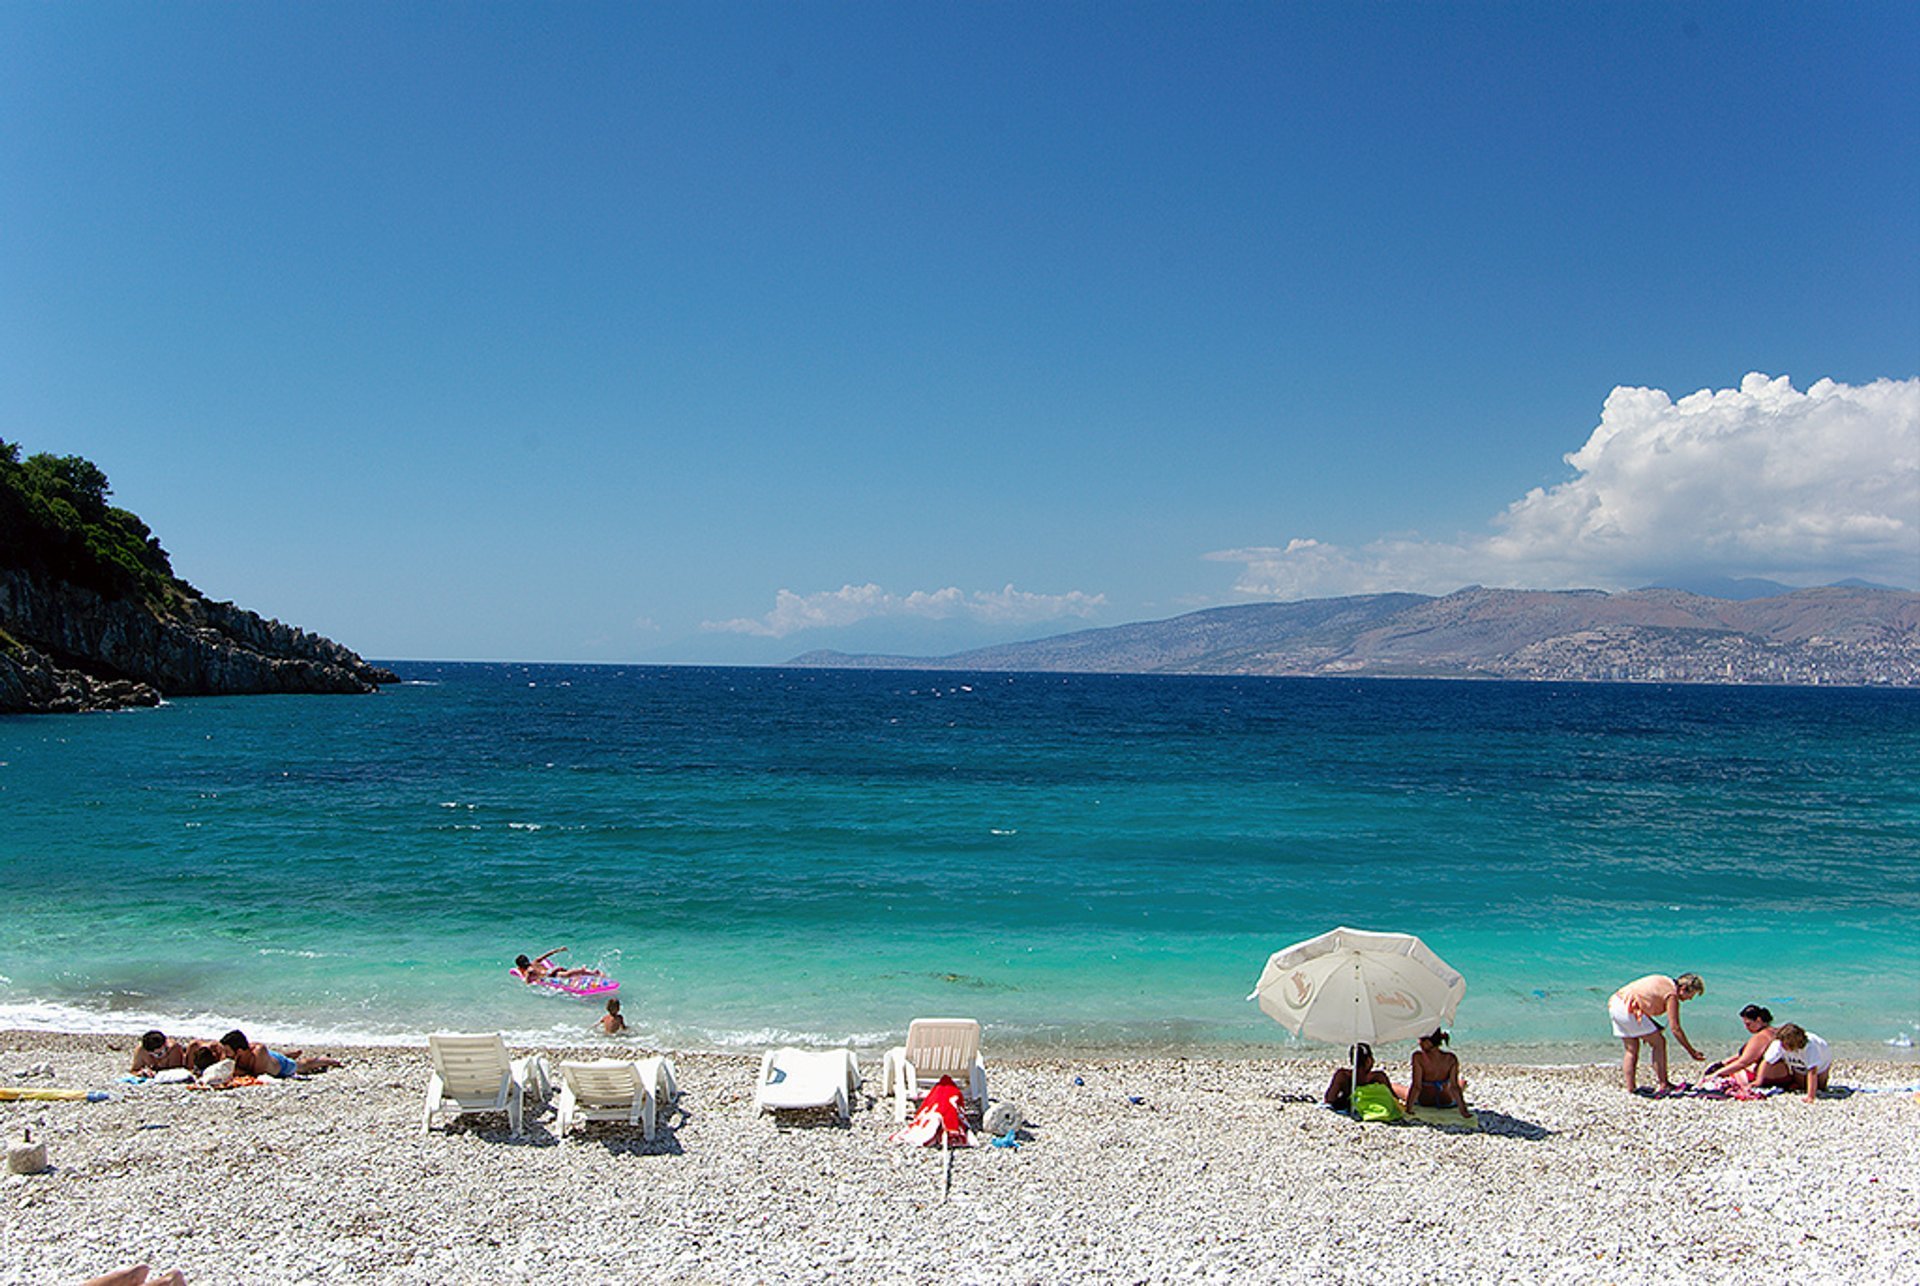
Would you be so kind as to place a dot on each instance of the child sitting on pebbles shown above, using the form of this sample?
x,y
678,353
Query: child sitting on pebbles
x,y
1797,1060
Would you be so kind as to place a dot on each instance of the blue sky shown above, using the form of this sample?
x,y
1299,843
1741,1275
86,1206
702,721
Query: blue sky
x,y
723,332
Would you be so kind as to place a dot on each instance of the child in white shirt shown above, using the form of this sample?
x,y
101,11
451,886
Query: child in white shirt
x,y
1797,1059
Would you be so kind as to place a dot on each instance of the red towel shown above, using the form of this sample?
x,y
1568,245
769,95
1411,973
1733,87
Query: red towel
x,y
941,1113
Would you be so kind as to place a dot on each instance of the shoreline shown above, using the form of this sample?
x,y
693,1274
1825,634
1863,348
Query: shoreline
x,y
1542,1055
1154,1168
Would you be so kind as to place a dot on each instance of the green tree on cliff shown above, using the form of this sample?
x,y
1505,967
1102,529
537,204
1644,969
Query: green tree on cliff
x,y
55,521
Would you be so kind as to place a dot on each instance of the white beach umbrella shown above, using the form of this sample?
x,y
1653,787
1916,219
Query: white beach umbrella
x,y
1350,985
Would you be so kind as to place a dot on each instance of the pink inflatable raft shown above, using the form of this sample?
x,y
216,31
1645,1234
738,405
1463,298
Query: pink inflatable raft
x,y
601,986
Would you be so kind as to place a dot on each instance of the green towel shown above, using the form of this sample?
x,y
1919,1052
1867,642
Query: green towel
x,y
1376,1103
1444,1118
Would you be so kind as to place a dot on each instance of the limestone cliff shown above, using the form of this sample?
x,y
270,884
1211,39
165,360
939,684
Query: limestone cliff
x,y
80,650
30,683
92,616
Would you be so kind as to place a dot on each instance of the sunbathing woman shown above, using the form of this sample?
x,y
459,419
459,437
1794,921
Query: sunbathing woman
x,y
1339,1095
532,971
157,1053
1436,1076
1760,1034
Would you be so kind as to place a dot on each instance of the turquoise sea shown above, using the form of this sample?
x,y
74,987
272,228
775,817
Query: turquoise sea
x,y
766,855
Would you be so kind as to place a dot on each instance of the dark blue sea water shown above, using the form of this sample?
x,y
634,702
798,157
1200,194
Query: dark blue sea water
x,y
765,855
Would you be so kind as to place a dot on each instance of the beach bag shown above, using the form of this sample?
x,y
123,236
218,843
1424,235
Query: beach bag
x,y
219,1073
1376,1103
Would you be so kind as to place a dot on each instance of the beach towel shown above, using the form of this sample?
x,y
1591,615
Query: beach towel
x,y
1376,1102
1723,1087
940,1114
9,1094
1443,1118
233,1083
172,1076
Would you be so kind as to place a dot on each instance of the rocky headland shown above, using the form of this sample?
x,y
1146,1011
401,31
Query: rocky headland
x,y
91,653
92,617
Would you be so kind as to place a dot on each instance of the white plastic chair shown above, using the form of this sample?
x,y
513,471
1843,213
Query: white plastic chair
x,y
615,1089
474,1074
799,1078
935,1047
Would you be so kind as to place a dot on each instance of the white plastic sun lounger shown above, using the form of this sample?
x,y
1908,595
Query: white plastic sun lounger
x,y
935,1047
474,1074
799,1078
614,1089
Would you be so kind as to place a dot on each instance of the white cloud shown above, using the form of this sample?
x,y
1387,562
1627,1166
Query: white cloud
x,y
1761,480
851,604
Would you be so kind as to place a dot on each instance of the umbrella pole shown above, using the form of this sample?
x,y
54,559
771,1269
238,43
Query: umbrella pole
x,y
1360,990
946,1184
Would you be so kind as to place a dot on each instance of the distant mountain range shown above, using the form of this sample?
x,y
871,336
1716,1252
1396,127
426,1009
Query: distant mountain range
x,y
1743,588
1841,634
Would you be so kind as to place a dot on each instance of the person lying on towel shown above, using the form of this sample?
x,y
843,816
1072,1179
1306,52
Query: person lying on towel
x,y
157,1052
252,1058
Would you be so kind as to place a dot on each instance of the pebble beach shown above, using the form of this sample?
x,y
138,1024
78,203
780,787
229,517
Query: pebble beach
x,y
1161,1169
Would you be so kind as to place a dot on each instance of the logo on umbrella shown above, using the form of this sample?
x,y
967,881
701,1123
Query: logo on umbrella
x,y
1397,1000
1302,992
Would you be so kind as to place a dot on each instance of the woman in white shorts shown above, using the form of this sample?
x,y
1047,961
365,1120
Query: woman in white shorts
x,y
1632,1009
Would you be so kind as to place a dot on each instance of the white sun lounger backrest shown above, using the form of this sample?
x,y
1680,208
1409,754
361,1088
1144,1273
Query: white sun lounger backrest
x,y
473,1069
935,1047
943,1047
473,1073
610,1082
612,1089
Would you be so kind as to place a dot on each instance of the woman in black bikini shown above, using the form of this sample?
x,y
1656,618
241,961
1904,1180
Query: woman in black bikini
x,y
1436,1076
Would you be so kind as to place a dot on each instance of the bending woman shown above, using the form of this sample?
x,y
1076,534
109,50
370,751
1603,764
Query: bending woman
x,y
1632,1009
1436,1076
